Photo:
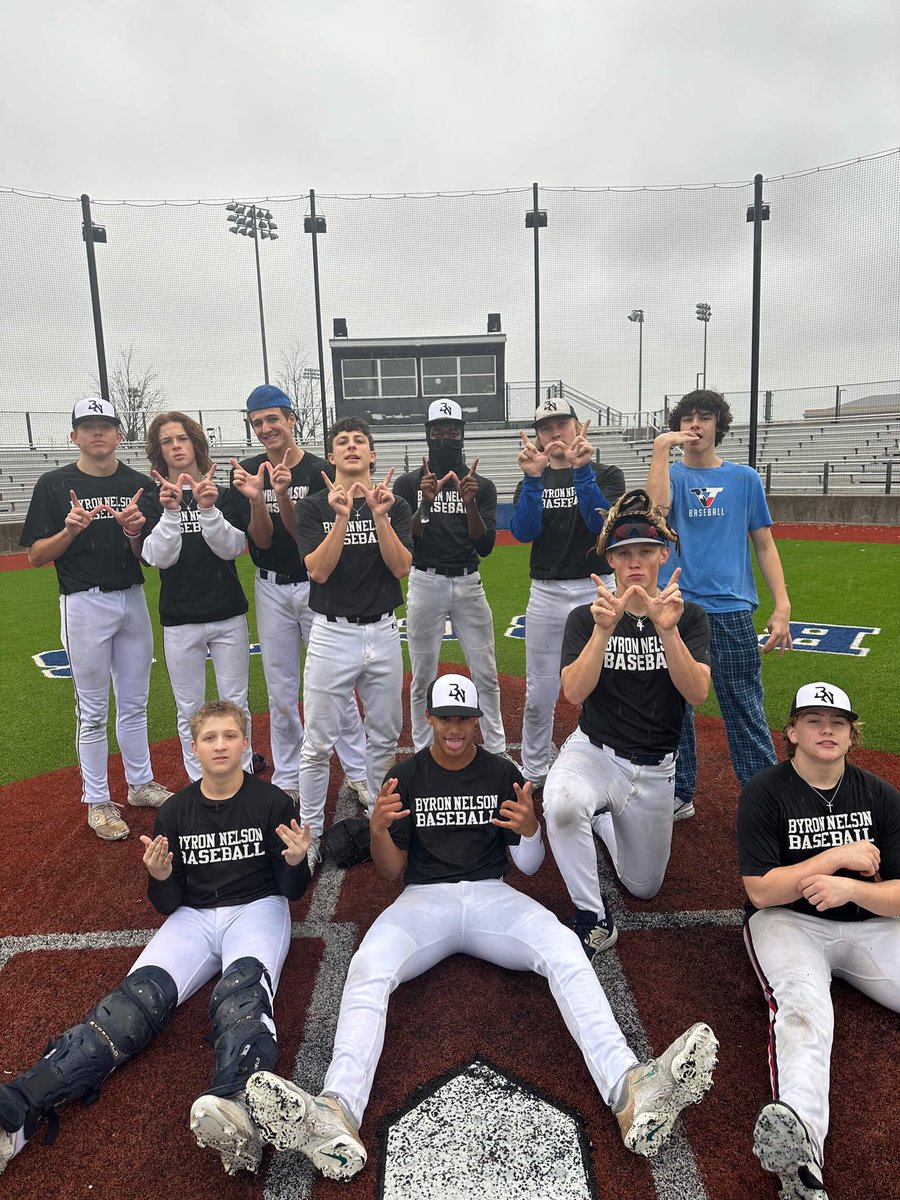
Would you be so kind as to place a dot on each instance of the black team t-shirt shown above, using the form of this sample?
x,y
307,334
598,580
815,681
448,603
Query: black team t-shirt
x,y
635,707
448,835
445,540
200,586
564,549
226,852
361,585
100,556
781,821
282,556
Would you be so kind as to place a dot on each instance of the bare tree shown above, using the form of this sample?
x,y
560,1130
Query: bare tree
x,y
135,393
300,381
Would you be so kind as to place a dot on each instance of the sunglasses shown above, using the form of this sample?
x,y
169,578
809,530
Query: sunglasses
x,y
628,530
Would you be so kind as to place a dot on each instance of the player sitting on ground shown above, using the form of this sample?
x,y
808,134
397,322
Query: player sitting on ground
x,y
226,908
819,848
446,817
631,658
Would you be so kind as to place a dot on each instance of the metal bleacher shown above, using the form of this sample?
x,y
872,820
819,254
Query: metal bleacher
x,y
841,456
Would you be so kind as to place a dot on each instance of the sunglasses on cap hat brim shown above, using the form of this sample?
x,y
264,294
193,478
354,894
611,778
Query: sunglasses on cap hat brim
x,y
634,531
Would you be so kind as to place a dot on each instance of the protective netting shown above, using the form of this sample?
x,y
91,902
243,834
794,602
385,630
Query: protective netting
x,y
182,324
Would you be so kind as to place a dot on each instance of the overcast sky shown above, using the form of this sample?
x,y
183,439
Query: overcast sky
x,y
190,100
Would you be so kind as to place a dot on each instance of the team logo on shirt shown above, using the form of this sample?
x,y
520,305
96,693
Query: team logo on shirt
x,y
449,811
706,495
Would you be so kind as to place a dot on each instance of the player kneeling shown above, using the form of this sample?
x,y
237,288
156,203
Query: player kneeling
x,y
226,909
446,818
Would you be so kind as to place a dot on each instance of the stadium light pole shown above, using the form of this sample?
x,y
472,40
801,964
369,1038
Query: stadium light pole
x,y
314,225
251,221
637,316
703,314
92,234
536,219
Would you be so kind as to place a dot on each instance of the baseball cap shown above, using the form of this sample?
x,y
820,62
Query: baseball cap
x,y
444,410
267,395
452,696
94,408
553,408
823,695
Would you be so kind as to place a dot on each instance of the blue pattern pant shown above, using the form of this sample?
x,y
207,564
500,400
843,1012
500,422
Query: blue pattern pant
x,y
737,679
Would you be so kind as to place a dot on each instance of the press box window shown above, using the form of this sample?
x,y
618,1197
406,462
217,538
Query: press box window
x,y
377,378
460,375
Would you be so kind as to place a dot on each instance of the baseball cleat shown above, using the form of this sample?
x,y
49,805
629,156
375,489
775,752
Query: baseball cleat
x,y
314,854
783,1146
148,795
654,1093
227,1127
260,763
292,1119
361,788
683,810
293,795
106,821
595,933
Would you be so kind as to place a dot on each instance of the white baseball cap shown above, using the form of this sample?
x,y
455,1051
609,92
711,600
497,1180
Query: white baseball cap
x,y
452,696
823,695
444,410
553,408
94,408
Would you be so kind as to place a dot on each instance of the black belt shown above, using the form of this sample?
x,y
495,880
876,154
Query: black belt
x,y
639,760
451,571
276,578
358,620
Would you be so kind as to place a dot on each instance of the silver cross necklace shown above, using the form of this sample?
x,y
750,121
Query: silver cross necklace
x,y
639,621
824,799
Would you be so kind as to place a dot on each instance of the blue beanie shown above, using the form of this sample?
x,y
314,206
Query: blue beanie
x,y
267,396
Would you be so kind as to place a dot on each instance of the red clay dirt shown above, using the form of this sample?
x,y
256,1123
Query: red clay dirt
x,y
135,1142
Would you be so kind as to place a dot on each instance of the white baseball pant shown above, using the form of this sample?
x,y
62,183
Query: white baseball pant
x,y
284,621
340,657
108,635
194,944
549,604
488,920
228,643
430,600
794,956
635,822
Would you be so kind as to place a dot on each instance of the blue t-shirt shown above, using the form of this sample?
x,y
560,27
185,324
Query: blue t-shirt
x,y
713,510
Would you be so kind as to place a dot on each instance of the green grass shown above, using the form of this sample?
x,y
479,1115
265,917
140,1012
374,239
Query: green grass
x,y
837,582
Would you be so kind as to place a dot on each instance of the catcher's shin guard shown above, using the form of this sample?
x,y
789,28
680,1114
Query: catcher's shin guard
x,y
242,1041
75,1065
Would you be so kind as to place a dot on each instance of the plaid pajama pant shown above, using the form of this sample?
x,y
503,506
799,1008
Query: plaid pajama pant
x,y
737,680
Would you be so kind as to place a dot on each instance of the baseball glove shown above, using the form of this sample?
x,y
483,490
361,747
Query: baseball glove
x,y
348,842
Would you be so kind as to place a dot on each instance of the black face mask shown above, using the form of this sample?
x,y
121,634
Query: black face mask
x,y
445,454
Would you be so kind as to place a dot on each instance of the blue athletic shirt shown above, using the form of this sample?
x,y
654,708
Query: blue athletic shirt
x,y
713,510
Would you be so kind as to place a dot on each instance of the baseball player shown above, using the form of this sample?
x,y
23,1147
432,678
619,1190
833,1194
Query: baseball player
x,y
355,541
225,858
631,658
559,507
81,518
454,525
446,818
193,532
281,587
714,505
819,850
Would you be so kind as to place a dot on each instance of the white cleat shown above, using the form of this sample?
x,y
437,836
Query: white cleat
x,y
225,1125
656,1092
782,1144
361,789
148,795
292,1119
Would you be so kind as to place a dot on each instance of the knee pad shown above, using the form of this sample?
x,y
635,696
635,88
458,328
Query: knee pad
x,y
75,1065
242,1041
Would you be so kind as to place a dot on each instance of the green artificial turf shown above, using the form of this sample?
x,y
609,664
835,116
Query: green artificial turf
x,y
829,582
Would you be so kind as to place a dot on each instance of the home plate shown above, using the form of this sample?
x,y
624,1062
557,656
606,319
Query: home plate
x,y
479,1132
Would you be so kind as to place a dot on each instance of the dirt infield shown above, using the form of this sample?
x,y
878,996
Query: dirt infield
x,y
74,926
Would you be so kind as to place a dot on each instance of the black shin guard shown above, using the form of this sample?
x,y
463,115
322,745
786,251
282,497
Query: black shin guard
x,y
242,1041
75,1065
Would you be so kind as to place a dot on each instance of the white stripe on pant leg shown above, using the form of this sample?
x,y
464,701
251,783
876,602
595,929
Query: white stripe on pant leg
x,y
279,644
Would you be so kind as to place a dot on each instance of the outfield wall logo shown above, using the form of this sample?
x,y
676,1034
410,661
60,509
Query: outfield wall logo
x,y
830,639
820,639
54,664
